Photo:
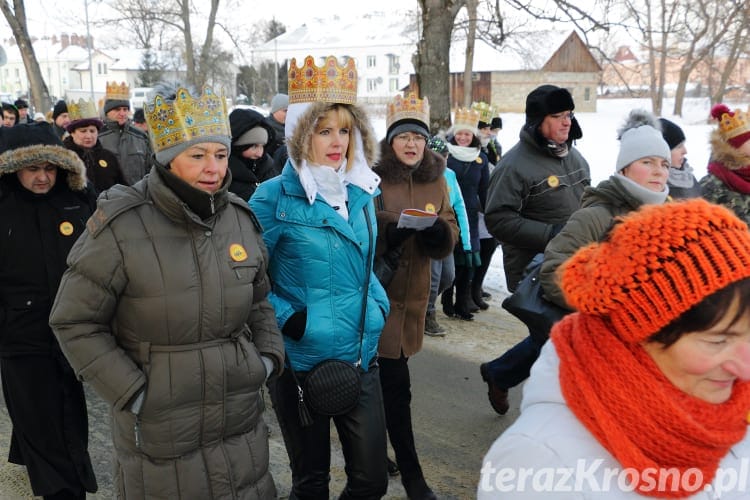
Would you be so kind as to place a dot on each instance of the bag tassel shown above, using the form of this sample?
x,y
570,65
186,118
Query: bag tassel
x,y
304,414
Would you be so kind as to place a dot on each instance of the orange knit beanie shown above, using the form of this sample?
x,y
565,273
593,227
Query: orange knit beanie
x,y
656,264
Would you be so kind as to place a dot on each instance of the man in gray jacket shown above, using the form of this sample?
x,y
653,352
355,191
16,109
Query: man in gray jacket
x,y
534,189
130,144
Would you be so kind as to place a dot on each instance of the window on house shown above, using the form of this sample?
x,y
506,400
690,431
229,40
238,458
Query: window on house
x,y
101,68
372,84
393,65
587,94
371,62
18,73
393,85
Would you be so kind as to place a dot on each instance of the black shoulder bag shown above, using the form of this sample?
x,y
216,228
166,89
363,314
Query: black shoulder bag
x,y
528,304
332,387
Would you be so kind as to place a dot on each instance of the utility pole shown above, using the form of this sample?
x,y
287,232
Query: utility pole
x,y
88,47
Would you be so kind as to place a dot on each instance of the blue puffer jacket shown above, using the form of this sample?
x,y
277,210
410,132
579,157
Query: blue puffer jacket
x,y
318,260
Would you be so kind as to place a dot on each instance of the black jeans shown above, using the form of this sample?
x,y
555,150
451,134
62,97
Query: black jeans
x,y
362,436
396,382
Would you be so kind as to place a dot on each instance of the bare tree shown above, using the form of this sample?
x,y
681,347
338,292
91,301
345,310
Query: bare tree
x,y
471,10
16,17
141,20
431,61
176,15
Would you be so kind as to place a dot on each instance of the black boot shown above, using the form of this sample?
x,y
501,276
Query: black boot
x,y
463,293
447,300
476,294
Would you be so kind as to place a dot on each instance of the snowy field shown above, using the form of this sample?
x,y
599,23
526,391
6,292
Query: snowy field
x,y
599,145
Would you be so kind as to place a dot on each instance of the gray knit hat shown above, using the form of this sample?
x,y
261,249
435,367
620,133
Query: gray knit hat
x,y
279,101
256,135
640,137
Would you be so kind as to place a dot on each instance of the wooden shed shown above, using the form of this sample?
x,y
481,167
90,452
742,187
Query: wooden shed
x,y
505,76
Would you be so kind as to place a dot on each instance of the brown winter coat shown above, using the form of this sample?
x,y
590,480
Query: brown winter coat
x,y
424,188
157,298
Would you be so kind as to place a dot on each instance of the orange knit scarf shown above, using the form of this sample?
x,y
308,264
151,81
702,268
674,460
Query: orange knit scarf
x,y
626,402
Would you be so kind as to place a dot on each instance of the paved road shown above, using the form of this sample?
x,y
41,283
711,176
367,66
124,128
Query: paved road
x,y
453,421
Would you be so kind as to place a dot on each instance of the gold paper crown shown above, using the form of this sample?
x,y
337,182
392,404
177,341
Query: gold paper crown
x,y
187,118
409,108
733,124
466,118
486,112
81,110
117,91
330,83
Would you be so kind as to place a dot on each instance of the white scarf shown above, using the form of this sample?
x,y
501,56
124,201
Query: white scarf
x,y
463,153
331,185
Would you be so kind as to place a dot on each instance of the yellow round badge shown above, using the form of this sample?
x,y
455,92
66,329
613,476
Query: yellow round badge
x,y
103,163
429,208
478,160
553,181
66,228
237,252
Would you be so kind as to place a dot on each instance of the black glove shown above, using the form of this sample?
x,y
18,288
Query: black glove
x,y
395,236
294,328
386,265
434,235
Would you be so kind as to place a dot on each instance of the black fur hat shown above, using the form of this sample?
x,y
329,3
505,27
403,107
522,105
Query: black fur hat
x,y
546,100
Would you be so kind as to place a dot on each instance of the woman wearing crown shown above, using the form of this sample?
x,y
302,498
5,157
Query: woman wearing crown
x,y
320,230
728,180
466,159
164,312
412,178
102,166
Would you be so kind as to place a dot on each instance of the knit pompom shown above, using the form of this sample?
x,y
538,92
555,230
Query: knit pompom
x,y
719,109
637,118
656,264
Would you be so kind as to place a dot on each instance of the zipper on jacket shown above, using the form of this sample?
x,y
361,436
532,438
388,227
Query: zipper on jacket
x,y
137,431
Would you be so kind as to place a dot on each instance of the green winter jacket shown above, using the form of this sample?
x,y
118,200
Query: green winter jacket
x,y
157,299
599,206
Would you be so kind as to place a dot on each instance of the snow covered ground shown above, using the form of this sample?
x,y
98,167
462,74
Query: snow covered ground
x,y
599,145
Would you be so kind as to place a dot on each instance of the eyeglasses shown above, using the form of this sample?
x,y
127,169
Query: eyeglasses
x,y
562,116
416,138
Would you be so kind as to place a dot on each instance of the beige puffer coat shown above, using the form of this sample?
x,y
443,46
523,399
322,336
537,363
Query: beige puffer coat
x,y
156,298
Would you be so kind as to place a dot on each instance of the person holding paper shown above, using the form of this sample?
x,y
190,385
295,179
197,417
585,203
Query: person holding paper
x,y
411,181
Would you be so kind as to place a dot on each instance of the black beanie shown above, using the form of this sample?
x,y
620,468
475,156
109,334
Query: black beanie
x,y
21,104
496,122
60,108
672,133
547,100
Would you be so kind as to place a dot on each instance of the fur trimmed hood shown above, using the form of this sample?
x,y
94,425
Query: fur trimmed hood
x,y
16,159
726,154
391,170
300,124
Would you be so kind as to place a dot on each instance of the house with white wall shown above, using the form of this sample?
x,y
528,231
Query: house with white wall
x,y
381,44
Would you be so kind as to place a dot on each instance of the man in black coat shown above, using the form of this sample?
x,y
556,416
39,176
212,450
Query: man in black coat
x,y
45,202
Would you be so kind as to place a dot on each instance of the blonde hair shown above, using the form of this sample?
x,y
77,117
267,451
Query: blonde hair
x,y
345,119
